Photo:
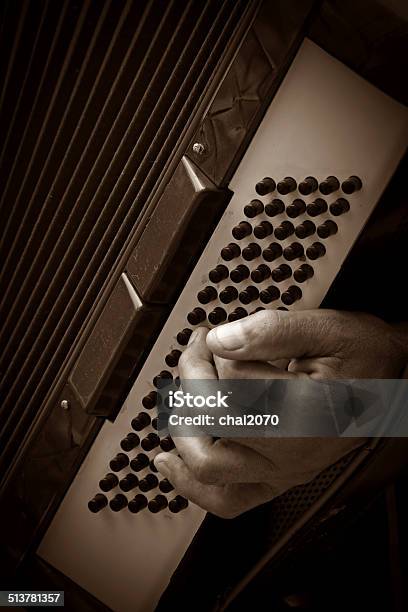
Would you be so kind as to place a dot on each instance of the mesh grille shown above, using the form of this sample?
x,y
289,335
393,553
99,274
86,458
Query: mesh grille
x,y
289,507
94,98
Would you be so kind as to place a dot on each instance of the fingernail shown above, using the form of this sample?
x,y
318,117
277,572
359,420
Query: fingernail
x,y
162,465
229,336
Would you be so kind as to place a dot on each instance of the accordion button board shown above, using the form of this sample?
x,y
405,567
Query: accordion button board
x,y
323,154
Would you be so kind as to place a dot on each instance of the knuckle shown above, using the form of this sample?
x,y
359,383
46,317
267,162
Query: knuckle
x,y
260,324
189,361
265,319
184,358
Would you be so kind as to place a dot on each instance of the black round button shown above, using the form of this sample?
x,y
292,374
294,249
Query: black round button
x,y
97,503
254,208
228,295
207,295
318,207
295,209
339,207
178,504
270,294
284,230
291,295
330,184
231,251
239,273
140,421
308,186
150,442
129,482
131,441
139,462
265,186
293,251
316,250
216,316
138,503
118,502
108,482
272,252
287,185
241,230
149,482
196,316
276,207
250,294
154,424
163,379
252,251
303,273
150,400
305,229
263,230
119,462
238,313
281,273
261,273
157,504
184,336
165,486
172,358
352,184
218,273
328,228
167,444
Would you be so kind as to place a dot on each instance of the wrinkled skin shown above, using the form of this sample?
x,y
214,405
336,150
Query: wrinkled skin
x,y
228,477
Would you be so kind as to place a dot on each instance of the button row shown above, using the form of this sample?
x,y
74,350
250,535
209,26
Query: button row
x,y
298,207
130,481
251,294
273,251
308,185
138,503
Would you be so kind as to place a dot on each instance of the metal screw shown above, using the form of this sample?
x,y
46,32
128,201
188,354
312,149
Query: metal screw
x,y
198,148
65,405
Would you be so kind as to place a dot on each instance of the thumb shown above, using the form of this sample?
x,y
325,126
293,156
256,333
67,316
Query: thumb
x,y
275,334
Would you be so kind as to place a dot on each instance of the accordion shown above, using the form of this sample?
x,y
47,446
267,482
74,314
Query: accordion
x,y
311,176
180,164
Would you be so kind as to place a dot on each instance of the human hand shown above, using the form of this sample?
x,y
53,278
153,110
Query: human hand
x,y
323,344
228,477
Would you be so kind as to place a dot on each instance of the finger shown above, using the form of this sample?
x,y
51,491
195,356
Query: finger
x,y
226,501
270,335
254,393
281,364
237,370
196,361
197,371
222,461
318,369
